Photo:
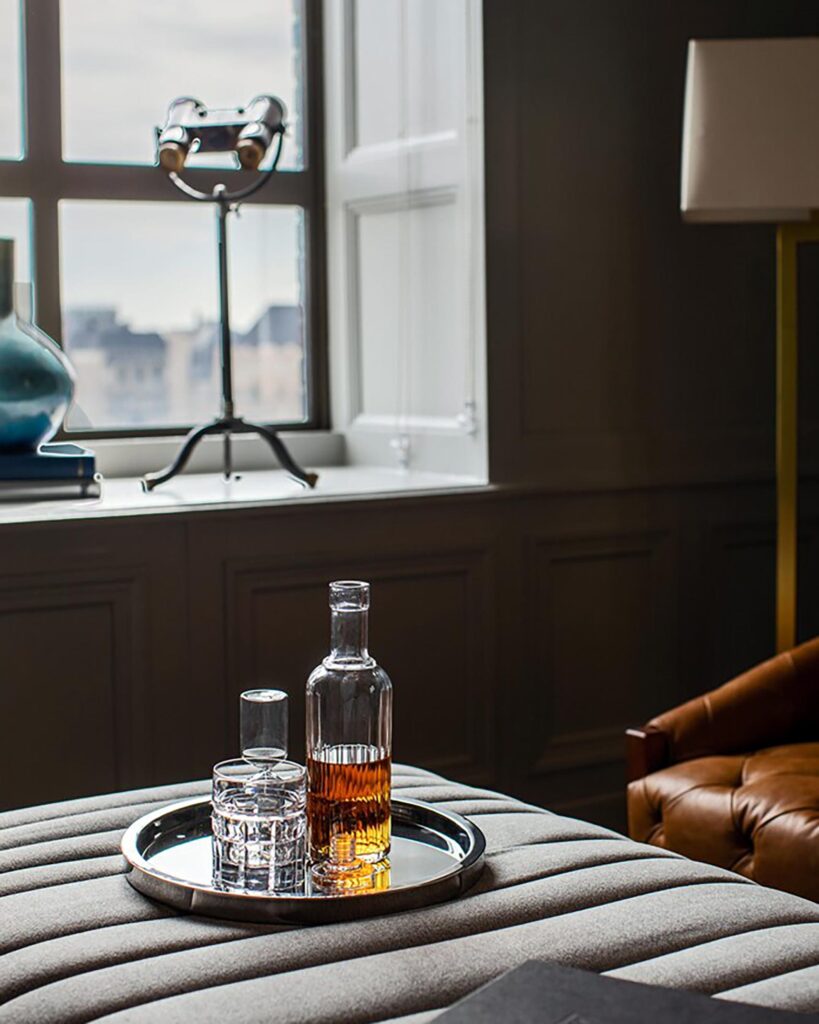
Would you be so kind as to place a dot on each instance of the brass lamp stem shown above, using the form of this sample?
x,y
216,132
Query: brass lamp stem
x,y
787,237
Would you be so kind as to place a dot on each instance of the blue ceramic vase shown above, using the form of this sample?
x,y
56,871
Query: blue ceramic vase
x,y
36,379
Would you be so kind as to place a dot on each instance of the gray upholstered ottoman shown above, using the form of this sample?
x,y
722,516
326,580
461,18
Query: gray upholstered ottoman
x,y
78,944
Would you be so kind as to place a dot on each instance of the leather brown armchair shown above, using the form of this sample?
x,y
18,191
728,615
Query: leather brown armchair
x,y
732,777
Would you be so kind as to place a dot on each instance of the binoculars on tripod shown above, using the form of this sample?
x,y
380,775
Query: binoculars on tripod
x,y
246,131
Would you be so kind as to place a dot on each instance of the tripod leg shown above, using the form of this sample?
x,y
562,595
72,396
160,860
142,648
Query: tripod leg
x,y
151,480
227,459
288,463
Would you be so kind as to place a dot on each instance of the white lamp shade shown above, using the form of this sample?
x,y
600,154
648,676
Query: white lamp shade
x,y
751,130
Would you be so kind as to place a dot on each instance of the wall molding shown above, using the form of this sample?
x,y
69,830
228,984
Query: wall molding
x,y
121,598
247,581
578,750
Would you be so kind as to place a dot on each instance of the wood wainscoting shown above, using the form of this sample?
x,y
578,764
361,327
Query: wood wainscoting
x,y
523,631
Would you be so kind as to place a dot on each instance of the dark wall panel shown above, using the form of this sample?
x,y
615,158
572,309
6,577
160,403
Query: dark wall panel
x,y
598,647
94,687
599,623
59,707
625,346
742,597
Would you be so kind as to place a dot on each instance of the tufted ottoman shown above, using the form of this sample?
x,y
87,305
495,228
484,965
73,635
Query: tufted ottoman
x,y
78,944
715,780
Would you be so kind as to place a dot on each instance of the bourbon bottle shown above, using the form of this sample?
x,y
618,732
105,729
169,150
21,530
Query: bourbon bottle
x,y
349,749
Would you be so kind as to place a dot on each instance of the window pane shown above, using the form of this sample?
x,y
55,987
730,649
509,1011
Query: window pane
x,y
15,222
140,311
123,62
11,104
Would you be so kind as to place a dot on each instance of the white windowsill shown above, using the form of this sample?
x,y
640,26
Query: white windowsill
x,y
255,488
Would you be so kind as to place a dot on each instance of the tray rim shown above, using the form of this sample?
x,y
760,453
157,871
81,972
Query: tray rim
x,y
262,907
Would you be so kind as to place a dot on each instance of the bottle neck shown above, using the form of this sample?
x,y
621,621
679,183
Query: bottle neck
x,y
348,637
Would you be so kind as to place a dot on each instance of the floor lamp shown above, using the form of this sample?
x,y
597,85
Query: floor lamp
x,y
751,153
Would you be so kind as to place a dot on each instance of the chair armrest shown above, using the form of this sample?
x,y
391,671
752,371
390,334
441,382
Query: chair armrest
x,y
775,702
646,752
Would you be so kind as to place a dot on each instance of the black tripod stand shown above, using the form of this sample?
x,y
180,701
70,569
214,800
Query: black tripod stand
x,y
228,423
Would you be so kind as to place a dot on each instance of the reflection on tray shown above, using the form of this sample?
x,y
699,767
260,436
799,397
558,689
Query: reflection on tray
x,y
363,878
254,869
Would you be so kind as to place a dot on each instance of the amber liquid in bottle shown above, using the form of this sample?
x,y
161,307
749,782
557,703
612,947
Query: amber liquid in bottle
x,y
349,799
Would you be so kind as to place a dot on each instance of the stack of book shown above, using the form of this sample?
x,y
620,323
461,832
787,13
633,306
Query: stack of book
x,y
61,470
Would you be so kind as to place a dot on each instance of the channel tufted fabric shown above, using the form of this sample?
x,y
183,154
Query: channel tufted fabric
x,y
77,944
732,777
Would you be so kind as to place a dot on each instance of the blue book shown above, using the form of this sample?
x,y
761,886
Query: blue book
x,y
61,461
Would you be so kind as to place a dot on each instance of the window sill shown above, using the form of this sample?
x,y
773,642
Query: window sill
x,y
123,497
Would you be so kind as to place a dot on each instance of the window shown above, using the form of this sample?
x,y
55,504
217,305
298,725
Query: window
x,y
124,266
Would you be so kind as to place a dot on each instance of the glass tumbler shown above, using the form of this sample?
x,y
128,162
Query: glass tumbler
x,y
259,826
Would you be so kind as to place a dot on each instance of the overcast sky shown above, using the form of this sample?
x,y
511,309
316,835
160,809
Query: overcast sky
x,y
123,61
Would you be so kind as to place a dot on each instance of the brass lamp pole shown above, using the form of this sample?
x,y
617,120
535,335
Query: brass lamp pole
x,y
788,239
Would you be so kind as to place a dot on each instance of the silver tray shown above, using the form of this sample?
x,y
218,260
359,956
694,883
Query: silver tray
x,y
436,855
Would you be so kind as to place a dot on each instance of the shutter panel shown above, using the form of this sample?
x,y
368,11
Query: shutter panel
x,y
405,231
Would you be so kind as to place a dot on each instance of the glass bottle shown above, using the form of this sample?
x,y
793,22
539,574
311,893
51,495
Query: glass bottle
x,y
349,747
36,379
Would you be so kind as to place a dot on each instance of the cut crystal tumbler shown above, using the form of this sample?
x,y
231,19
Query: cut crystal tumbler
x,y
259,826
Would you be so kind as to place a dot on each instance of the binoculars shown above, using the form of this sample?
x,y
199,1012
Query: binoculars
x,y
192,128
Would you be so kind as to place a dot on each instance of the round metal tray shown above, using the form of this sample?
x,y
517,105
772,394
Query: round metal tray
x,y
436,855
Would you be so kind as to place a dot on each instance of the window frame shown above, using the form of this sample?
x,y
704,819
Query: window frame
x,y
43,177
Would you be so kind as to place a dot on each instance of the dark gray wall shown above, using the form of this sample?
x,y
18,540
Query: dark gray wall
x,y
625,347
626,565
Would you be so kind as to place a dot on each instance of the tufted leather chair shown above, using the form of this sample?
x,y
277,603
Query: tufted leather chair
x,y
732,778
